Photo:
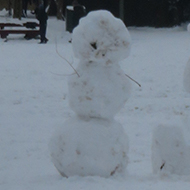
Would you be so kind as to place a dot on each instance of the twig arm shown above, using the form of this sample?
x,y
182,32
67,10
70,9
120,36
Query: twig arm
x,y
133,80
66,61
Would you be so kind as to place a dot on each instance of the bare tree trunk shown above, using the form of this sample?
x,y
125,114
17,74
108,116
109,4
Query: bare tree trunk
x,y
52,11
59,9
10,7
121,10
17,9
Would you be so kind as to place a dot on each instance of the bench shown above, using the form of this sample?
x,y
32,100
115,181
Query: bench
x,y
3,25
29,30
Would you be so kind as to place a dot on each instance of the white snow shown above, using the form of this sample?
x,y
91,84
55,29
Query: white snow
x,y
34,100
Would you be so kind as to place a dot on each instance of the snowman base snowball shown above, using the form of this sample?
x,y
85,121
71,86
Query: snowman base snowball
x,y
94,147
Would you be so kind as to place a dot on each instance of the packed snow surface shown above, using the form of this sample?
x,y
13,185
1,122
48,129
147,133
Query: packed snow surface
x,y
34,100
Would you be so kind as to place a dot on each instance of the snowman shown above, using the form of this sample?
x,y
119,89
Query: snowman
x,y
92,142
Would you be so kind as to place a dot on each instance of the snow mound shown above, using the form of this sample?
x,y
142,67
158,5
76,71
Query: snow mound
x,y
99,36
94,147
170,154
186,77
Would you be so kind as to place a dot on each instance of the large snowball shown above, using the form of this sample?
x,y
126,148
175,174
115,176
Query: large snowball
x,y
94,147
100,91
169,151
100,35
186,77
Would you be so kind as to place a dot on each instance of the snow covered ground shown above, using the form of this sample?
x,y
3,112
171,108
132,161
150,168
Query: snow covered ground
x,y
34,101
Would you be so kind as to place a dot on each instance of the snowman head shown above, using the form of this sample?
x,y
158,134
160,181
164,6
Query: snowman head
x,y
100,37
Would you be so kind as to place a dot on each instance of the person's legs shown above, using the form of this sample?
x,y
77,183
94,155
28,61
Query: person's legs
x,y
43,33
24,8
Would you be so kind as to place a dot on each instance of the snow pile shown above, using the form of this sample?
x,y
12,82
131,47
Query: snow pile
x,y
186,77
92,142
170,154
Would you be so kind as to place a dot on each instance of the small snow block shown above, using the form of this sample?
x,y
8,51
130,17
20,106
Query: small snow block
x,y
170,154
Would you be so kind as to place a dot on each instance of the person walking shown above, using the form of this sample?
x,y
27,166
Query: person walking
x,y
41,15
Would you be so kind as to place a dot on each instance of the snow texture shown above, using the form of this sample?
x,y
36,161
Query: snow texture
x,y
170,154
